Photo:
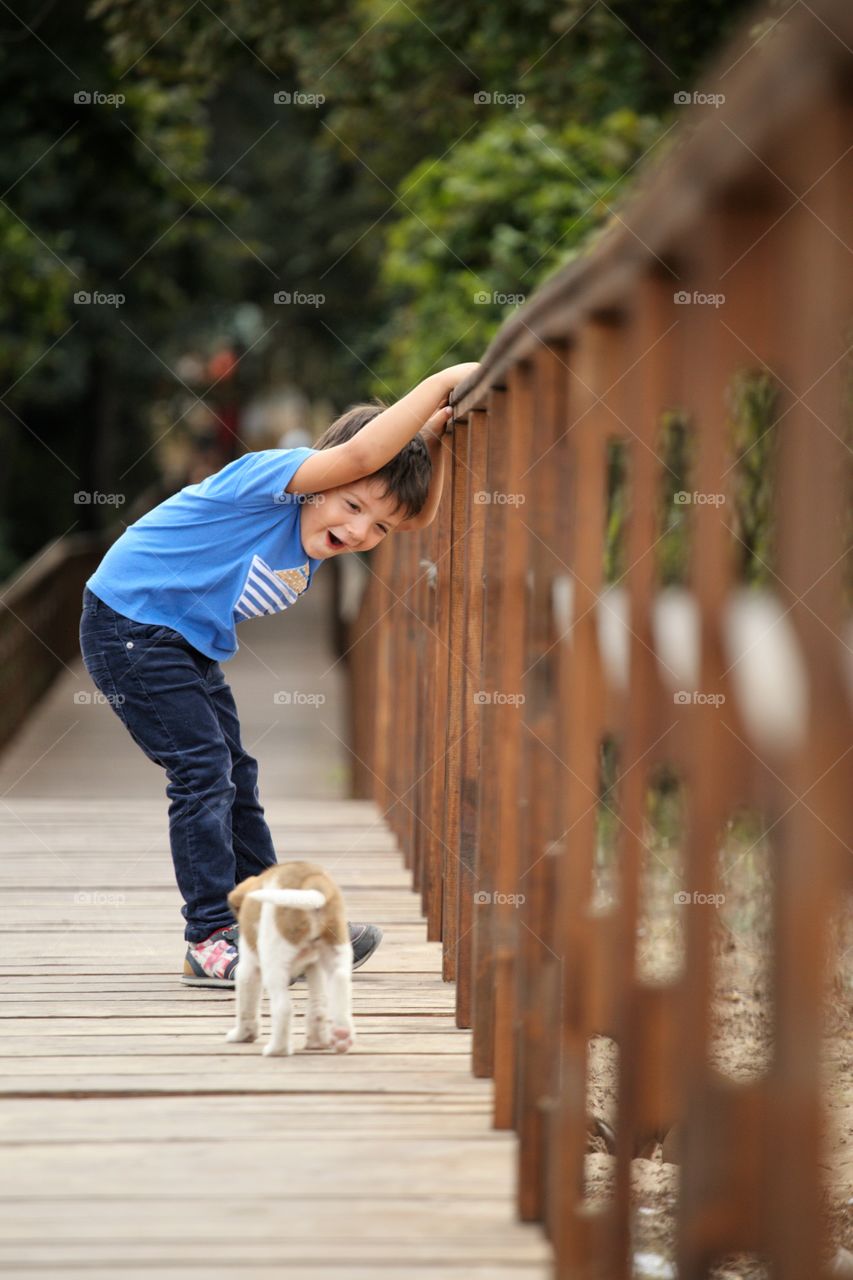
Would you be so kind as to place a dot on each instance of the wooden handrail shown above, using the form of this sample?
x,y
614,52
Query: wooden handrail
x,y
493,659
40,612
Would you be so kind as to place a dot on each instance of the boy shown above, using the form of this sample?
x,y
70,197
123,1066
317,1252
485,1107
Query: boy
x,y
161,610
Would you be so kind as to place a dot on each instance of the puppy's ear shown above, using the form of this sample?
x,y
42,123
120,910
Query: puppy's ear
x,y
236,896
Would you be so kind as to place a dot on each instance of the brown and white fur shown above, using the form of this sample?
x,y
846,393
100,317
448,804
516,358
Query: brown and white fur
x,y
292,921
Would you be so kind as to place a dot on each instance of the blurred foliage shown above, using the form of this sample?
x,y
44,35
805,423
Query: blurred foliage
x,y
482,229
399,78
673,548
616,512
608,819
398,197
86,190
466,197
753,398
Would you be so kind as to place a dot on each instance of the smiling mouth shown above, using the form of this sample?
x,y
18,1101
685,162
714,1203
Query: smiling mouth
x,y
333,541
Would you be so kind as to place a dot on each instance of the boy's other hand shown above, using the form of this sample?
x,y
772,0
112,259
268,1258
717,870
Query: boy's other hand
x,y
435,426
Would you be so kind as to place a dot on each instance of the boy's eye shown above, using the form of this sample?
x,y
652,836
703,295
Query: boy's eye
x,y
354,506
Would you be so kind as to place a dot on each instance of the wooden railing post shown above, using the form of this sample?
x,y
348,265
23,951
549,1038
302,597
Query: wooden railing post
x,y
539,979
507,722
427,590
643,1017
455,719
472,683
494,588
436,728
582,721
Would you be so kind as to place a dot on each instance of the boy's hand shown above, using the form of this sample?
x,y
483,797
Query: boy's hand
x,y
435,426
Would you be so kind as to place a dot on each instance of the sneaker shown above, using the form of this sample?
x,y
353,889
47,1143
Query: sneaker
x,y
365,938
212,963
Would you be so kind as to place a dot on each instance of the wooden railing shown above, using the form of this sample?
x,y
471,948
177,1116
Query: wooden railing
x,y
40,612
494,654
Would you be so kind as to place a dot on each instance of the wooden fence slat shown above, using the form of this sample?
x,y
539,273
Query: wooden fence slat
x,y
538,984
487,798
469,834
450,827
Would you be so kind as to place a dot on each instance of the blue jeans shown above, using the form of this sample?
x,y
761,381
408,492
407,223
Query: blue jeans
x,y
179,709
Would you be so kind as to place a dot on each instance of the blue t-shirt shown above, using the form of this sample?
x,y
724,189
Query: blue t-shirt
x,y
214,554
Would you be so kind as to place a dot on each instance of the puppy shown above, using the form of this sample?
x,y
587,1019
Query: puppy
x,y
292,921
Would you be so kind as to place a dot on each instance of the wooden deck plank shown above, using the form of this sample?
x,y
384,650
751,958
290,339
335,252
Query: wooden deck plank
x,y
136,1141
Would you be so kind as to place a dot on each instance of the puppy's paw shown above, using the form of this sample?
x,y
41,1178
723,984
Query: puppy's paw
x,y
277,1051
242,1035
343,1039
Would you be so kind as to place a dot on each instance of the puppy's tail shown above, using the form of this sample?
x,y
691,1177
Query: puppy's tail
x,y
306,899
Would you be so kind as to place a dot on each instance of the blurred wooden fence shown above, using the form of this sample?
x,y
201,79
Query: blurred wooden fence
x,y
491,658
40,612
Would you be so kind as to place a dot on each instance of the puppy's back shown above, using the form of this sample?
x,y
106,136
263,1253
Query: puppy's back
x,y
327,923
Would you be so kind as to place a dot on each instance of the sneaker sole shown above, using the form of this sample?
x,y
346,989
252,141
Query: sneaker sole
x,y
208,982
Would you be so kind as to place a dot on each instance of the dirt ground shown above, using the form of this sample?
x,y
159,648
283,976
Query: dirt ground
x,y
741,1048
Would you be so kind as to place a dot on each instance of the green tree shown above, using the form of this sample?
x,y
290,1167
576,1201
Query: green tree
x,y
483,229
398,197
99,200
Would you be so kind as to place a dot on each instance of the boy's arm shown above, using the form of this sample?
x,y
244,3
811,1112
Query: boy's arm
x,y
389,431
382,438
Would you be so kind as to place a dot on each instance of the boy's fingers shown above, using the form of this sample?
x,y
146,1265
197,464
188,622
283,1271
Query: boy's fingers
x,y
440,418
438,423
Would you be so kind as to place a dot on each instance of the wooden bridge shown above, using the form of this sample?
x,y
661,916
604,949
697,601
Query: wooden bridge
x,y
599,717
135,1140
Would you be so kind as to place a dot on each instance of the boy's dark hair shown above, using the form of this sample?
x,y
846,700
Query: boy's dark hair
x,y
407,476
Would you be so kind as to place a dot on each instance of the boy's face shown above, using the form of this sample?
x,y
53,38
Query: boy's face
x,y
354,514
